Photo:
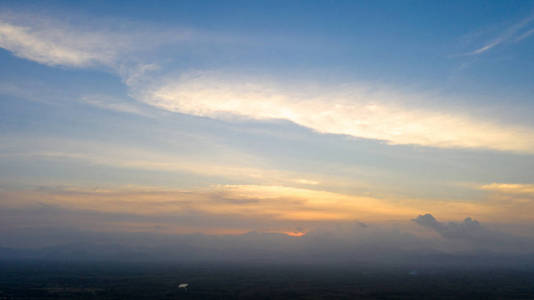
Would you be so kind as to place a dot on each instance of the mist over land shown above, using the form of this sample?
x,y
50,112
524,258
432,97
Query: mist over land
x,y
423,243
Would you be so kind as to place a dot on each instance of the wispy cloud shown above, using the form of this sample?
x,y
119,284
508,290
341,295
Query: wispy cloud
x,y
510,188
53,42
515,200
525,35
354,110
113,104
243,201
56,46
514,33
269,203
226,164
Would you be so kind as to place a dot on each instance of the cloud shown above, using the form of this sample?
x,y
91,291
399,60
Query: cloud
x,y
524,35
516,201
59,46
118,105
510,188
226,164
242,183
306,181
468,229
356,109
285,207
53,42
353,110
470,235
514,32
268,203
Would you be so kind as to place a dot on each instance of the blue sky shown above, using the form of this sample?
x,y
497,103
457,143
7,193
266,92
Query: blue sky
x,y
302,112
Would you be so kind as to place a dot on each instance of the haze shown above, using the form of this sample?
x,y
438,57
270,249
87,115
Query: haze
x,y
293,132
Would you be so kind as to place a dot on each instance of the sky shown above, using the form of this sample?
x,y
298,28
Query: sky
x,y
405,123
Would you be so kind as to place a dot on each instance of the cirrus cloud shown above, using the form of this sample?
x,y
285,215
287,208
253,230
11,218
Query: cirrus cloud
x,y
355,110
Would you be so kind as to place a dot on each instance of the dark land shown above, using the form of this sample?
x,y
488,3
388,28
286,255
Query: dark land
x,y
103,280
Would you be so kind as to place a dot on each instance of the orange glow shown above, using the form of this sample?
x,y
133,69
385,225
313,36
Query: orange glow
x,y
294,234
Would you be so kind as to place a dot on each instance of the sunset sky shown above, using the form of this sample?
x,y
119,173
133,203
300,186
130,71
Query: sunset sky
x,y
226,117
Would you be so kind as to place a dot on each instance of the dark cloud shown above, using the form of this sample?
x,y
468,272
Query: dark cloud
x,y
469,228
471,236
361,224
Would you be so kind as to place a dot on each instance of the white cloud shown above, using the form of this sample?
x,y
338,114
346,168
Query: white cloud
x,y
55,42
360,111
58,46
349,110
511,32
525,35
